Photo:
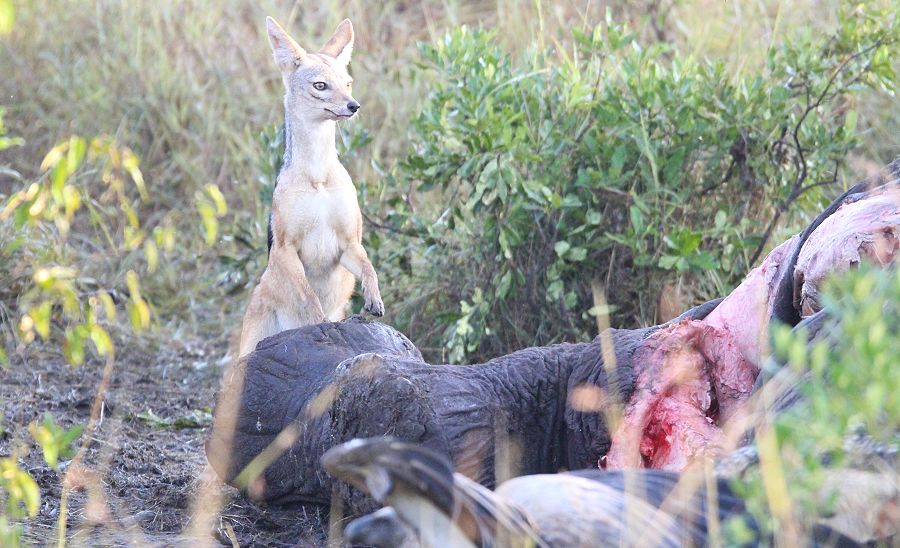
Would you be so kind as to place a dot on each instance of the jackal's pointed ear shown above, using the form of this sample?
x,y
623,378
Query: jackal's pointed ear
x,y
340,45
287,52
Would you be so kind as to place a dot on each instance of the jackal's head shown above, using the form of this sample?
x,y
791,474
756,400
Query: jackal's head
x,y
317,84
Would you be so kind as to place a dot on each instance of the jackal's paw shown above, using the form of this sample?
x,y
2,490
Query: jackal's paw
x,y
374,306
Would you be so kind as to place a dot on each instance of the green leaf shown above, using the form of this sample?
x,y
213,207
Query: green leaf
x,y
689,242
218,199
71,200
54,156
674,167
130,162
30,494
132,281
58,180
503,286
703,261
721,219
9,142
165,237
780,94
554,290
667,262
20,489
109,306
209,222
41,316
77,149
73,346
577,254
151,253
102,342
637,219
139,314
850,122
54,440
617,162
7,16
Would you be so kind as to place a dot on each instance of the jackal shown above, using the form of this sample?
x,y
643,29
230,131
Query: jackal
x,y
315,229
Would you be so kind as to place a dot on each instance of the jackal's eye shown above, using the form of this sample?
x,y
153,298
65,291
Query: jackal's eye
x,y
321,86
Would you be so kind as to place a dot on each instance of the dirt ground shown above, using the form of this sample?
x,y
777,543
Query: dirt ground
x,y
143,472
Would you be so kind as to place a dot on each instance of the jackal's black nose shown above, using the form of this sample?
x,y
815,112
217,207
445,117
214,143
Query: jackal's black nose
x,y
353,106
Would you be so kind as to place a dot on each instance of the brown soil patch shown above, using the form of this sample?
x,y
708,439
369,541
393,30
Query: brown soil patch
x,y
145,475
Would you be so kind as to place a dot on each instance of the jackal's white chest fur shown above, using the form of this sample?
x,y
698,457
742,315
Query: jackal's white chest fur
x,y
318,220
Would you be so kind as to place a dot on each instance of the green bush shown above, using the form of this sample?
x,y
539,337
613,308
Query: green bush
x,y
71,296
54,285
611,166
92,192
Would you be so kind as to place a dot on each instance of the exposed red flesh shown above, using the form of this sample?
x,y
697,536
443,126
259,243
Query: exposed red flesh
x,y
694,376
689,376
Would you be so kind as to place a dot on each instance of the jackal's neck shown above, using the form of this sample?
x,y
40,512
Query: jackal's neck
x,y
309,148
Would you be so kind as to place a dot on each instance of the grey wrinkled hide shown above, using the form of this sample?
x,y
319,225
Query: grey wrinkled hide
x,y
280,378
383,387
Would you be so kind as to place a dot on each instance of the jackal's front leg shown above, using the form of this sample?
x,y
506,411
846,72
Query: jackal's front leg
x,y
282,300
299,304
356,260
